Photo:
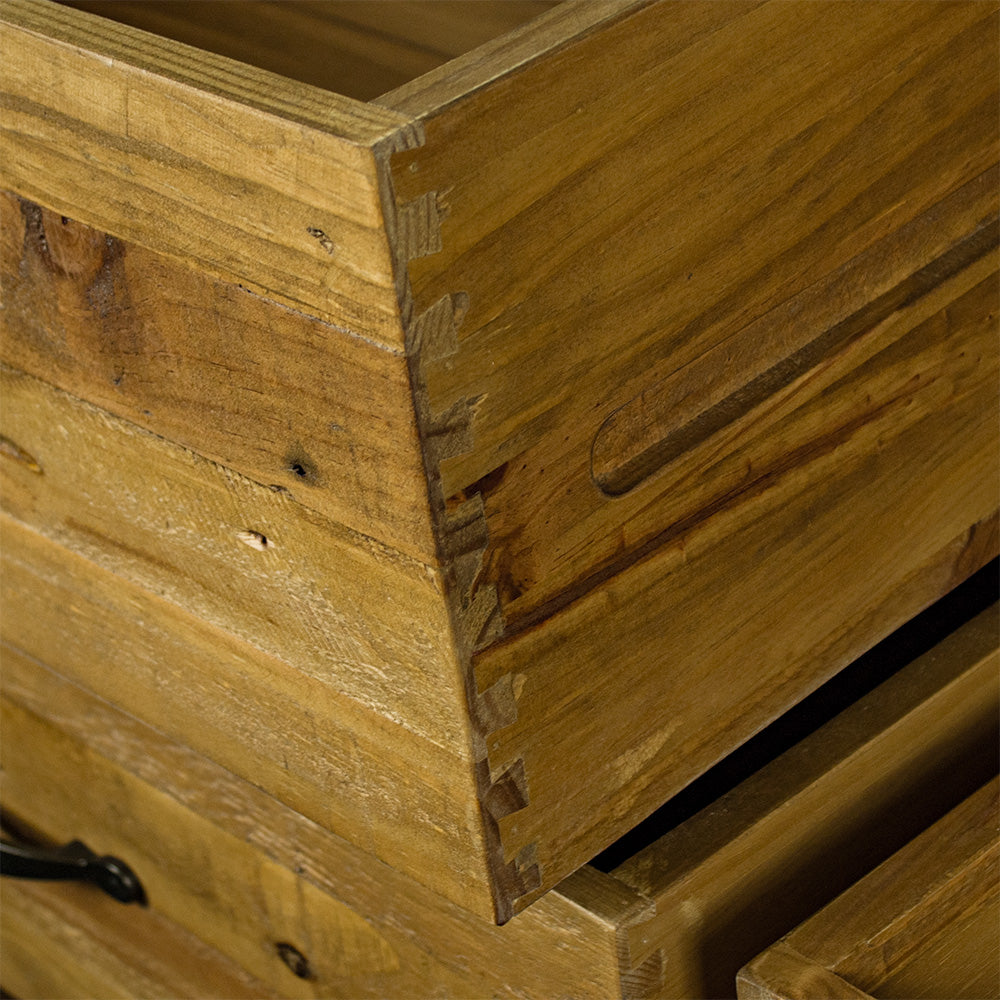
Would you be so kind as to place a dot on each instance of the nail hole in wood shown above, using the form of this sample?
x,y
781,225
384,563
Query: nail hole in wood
x,y
294,959
254,539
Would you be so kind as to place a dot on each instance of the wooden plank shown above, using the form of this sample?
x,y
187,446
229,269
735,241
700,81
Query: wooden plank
x,y
370,780
68,942
664,413
336,605
358,49
567,294
783,974
779,588
945,883
242,173
281,398
243,871
766,856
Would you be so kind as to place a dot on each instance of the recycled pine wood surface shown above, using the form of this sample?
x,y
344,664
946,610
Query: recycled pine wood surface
x,y
669,402
217,369
778,847
244,872
923,924
67,942
658,420
644,930
268,183
372,781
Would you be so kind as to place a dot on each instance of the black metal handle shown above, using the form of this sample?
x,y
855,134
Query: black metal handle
x,y
74,861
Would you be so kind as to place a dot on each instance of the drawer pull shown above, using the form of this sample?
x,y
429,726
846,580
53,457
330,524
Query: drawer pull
x,y
74,861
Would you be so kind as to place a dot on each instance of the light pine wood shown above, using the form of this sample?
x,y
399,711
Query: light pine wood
x,y
251,177
666,411
939,893
765,856
68,942
673,335
682,267
283,399
372,781
239,555
356,48
775,590
244,872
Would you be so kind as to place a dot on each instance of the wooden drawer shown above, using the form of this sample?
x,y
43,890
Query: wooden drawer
x,y
923,924
499,428
66,941
678,918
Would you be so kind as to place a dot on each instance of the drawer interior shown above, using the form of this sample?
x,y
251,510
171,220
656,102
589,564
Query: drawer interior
x,y
353,47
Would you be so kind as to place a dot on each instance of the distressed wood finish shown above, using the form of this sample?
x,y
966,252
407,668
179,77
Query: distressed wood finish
x,y
665,411
681,370
372,781
786,841
222,166
245,873
923,924
67,942
834,805
281,398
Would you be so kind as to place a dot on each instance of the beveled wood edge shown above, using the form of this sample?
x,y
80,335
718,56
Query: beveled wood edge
x,y
781,973
852,937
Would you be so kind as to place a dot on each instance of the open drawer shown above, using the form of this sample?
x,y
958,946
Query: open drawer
x,y
922,925
517,412
308,914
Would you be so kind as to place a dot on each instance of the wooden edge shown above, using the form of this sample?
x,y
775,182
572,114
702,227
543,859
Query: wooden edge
x,y
458,78
620,907
781,973
414,231
888,914
258,179
916,695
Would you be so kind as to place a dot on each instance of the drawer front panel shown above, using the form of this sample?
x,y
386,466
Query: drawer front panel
x,y
763,857
66,942
247,874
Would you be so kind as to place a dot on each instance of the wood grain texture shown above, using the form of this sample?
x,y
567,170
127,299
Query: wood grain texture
x,y
682,332
68,942
239,555
766,856
249,176
351,47
365,929
944,884
579,293
279,397
750,586
397,795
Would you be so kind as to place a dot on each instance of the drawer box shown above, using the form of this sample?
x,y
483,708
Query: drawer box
x,y
517,407
923,924
676,919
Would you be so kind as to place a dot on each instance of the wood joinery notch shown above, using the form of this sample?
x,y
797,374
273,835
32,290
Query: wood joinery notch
x,y
431,337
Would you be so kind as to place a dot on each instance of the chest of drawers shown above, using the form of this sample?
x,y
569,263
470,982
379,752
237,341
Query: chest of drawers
x,y
471,467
